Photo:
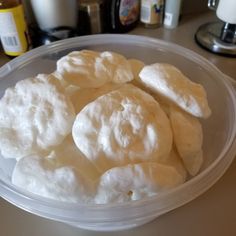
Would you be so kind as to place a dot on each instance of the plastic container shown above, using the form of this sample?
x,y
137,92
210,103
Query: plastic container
x,y
219,131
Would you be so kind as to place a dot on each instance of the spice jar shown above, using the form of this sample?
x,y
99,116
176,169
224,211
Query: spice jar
x,y
152,12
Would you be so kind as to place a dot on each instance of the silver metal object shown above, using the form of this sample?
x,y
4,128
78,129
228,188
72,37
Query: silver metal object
x,y
93,10
209,36
212,4
218,37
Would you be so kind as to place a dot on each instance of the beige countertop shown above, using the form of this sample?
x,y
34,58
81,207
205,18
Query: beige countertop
x,y
211,214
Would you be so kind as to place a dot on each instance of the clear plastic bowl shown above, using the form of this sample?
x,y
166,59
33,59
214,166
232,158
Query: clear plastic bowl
x,y
219,131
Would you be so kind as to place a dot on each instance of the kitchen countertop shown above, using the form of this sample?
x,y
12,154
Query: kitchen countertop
x,y
212,213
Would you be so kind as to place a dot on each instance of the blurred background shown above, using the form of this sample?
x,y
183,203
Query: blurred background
x,y
193,24
48,21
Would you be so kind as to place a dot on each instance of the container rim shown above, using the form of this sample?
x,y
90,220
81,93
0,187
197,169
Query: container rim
x,y
73,212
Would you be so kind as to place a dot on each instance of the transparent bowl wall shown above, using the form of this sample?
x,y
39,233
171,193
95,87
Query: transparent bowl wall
x,y
219,131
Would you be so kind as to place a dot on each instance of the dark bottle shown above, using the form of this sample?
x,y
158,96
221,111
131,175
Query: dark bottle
x,y
123,15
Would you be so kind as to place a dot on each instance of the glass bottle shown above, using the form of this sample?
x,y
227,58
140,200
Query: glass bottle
x,y
123,15
13,28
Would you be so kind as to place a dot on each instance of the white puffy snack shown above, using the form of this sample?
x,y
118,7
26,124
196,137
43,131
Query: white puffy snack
x,y
90,69
136,181
67,154
134,135
81,97
188,138
136,66
34,116
124,126
176,162
169,81
43,176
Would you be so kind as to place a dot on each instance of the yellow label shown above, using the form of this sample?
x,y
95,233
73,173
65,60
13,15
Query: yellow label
x,y
13,31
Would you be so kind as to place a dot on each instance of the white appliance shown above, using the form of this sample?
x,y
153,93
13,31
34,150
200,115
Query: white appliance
x,y
220,37
57,17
